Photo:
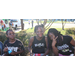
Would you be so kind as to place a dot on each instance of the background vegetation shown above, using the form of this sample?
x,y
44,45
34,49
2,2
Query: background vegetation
x,y
25,35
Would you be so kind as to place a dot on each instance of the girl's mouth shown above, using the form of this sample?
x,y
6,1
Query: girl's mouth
x,y
40,35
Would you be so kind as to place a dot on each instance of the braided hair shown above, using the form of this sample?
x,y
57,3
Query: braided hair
x,y
37,26
56,33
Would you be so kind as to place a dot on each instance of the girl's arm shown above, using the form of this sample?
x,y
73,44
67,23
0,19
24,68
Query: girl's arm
x,y
15,53
73,43
30,44
55,50
21,50
47,47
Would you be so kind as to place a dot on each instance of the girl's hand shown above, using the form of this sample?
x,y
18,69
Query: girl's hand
x,y
5,49
31,54
13,53
54,41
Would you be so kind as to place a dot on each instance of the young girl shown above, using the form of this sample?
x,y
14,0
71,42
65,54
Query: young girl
x,y
61,45
12,46
38,42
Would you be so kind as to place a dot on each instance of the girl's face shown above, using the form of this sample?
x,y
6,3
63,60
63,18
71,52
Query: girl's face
x,y
11,35
52,36
39,32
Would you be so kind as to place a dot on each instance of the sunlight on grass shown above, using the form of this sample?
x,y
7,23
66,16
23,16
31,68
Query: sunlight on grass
x,y
47,22
30,30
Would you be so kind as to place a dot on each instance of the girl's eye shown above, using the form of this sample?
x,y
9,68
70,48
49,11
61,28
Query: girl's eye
x,y
11,34
52,36
39,32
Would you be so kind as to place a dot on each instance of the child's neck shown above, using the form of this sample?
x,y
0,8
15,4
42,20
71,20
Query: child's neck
x,y
39,38
12,40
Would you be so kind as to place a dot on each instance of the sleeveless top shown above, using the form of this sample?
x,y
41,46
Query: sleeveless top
x,y
39,46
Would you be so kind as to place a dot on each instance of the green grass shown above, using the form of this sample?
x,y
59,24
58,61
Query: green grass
x,y
59,29
63,32
61,22
30,30
48,22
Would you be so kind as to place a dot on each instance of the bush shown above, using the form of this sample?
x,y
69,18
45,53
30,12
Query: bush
x,y
70,32
2,37
22,35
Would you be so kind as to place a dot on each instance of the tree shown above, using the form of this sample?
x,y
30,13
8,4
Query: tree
x,y
63,24
46,27
37,20
22,24
44,23
51,21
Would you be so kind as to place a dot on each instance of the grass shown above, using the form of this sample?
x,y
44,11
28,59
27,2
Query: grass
x,y
30,30
63,32
48,22
59,29
61,22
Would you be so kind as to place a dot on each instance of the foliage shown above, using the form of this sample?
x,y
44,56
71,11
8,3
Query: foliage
x,y
25,35
71,32
2,36
22,36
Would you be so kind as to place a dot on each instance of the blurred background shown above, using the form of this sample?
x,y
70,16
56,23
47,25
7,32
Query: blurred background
x,y
24,28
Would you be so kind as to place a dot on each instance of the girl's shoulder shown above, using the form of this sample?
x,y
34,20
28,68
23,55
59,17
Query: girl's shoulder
x,y
45,38
19,41
6,41
32,38
67,37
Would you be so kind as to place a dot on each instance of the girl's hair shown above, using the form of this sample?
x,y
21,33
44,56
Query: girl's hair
x,y
56,33
8,30
37,26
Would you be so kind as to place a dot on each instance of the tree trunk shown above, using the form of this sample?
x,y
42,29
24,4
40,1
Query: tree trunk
x,y
22,25
37,20
62,24
45,21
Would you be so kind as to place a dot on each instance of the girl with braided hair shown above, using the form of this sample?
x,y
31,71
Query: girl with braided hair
x,y
38,43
